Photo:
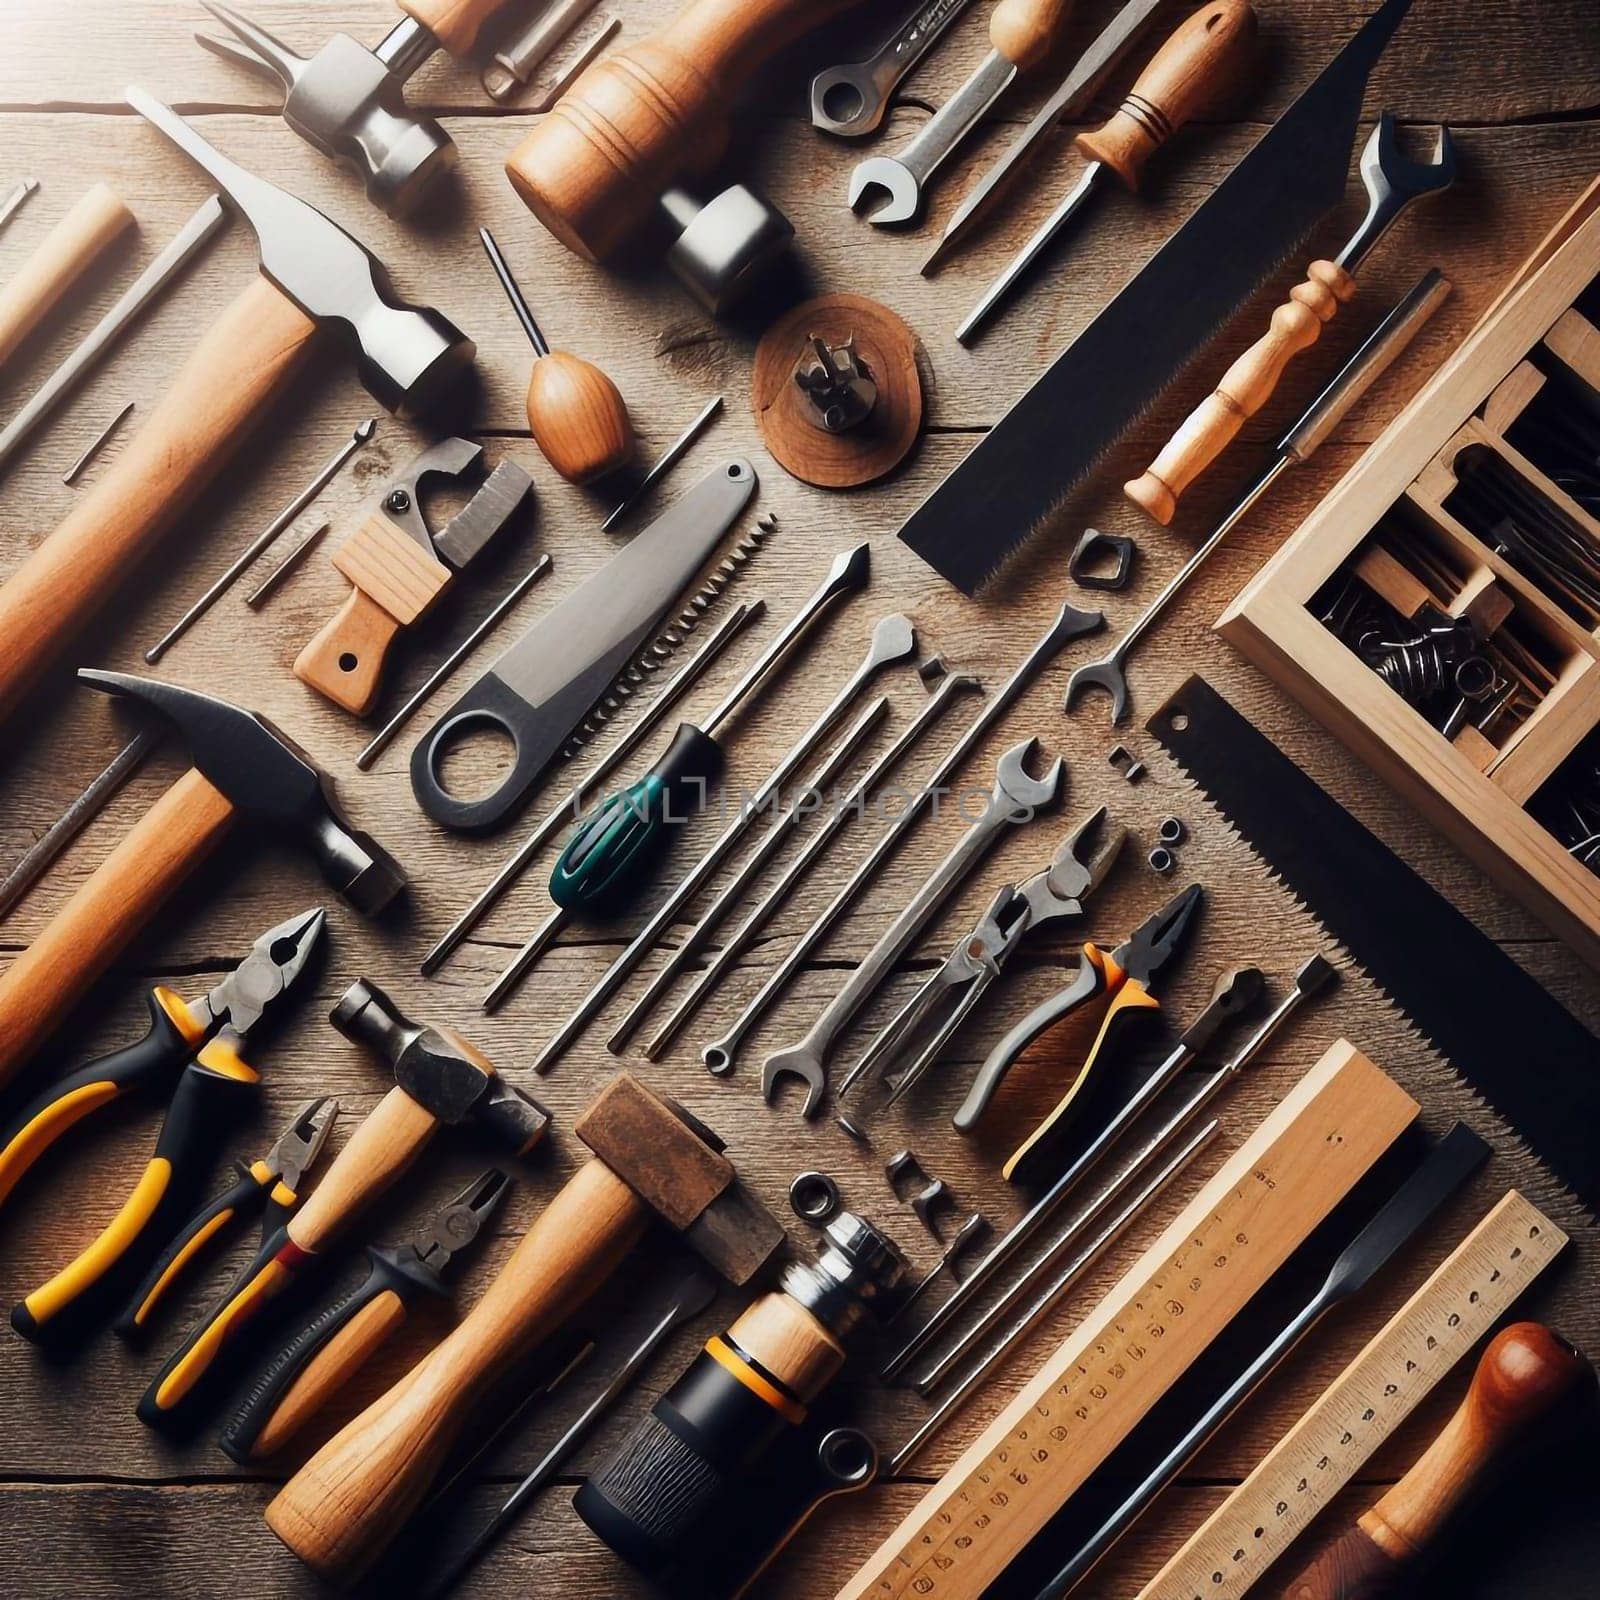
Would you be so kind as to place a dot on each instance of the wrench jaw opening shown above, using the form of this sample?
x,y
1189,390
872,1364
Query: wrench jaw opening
x,y
902,198
800,1062
1106,675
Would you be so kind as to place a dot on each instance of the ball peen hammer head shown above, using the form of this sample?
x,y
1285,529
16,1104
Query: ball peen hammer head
x,y
410,357
267,777
675,1165
440,1070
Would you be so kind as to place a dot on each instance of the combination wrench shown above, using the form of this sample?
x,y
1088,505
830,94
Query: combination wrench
x,y
1017,797
850,101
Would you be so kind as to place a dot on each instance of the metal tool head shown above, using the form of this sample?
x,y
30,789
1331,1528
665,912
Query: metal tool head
x,y
724,245
349,102
410,357
440,1070
1107,674
1159,937
265,775
1077,869
1393,180
466,534
902,195
299,1145
242,1000
1014,783
454,1226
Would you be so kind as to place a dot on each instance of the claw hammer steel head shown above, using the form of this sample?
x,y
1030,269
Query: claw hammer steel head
x,y
349,102
265,775
410,357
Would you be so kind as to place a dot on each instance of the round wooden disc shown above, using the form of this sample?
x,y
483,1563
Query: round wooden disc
x,y
888,350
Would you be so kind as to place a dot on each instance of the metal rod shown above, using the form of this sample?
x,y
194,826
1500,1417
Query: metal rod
x,y
1046,1303
673,691
99,340
669,459
270,584
519,304
13,202
326,476
517,60
96,445
385,735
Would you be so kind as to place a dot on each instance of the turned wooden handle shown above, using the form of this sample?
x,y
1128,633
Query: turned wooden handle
x,y
1246,386
76,242
1025,31
578,417
639,120
329,1370
1196,68
55,972
454,23
377,1155
1525,1378
220,393
342,1508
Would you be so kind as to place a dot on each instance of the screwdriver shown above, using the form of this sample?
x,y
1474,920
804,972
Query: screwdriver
x,y
576,413
1197,66
606,857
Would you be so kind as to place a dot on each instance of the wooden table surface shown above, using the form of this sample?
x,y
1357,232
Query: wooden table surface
x,y
90,1503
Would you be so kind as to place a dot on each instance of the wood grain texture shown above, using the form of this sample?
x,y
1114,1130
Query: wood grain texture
x,y
1528,145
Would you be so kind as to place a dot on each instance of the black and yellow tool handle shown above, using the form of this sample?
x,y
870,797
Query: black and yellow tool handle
x,y
322,1358
213,1089
242,1198
1131,1004
150,1066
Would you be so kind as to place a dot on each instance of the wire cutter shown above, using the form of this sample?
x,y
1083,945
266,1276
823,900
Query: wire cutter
x,y
950,993
1124,979
197,1050
331,1349
269,1185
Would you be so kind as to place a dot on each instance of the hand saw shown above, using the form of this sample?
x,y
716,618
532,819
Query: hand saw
x,y
1512,1041
1024,466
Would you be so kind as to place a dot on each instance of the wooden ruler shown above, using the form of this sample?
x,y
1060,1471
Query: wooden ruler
x,y
1129,1351
1436,1327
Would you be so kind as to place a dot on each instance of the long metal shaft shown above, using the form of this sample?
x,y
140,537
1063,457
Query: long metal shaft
x,y
384,737
818,841
286,567
14,200
320,482
1049,1299
778,833
96,445
668,459
672,692
701,872
519,303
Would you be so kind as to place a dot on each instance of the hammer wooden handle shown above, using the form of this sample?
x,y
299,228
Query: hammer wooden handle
x,y
220,393
638,121
120,897
454,23
1526,1376
1246,386
76,242
343,1507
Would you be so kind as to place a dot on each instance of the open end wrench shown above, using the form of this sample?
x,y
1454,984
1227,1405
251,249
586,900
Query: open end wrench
x,y
1393,180
850,101
893,640
1016,797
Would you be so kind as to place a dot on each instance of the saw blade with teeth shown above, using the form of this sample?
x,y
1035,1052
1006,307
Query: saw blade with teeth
x,y
1501,1032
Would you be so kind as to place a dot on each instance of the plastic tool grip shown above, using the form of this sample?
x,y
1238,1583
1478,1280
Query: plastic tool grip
x,y
71,1304
145,1067
607,854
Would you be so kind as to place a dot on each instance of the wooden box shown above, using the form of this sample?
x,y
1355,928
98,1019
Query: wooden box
x,y
1415,536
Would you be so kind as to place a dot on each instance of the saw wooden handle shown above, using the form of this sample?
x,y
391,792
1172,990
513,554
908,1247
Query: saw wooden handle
x,y
1025,31
454,23
76,242
1246,386
1198,66
219,394
641,119
347,1503
1526,1376
119,898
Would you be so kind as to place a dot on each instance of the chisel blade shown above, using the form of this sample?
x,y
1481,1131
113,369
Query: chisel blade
x,y
1023,468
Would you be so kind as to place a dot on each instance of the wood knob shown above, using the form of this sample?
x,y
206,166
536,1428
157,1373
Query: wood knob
x,y
1025,31
1245,387
1198,66
578,418
639,120
76,242
1526,1377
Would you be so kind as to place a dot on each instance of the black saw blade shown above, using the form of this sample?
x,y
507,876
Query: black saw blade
x,y
1499,1029
1023,468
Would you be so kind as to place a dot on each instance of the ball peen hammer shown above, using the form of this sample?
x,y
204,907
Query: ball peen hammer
x,y
243,767
649,1162
314,276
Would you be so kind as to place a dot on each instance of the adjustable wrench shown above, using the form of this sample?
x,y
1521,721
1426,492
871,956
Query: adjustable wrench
x,y
1016,797
850,101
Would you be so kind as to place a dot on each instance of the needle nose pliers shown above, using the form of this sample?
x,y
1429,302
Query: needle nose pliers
x,y
197,1048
